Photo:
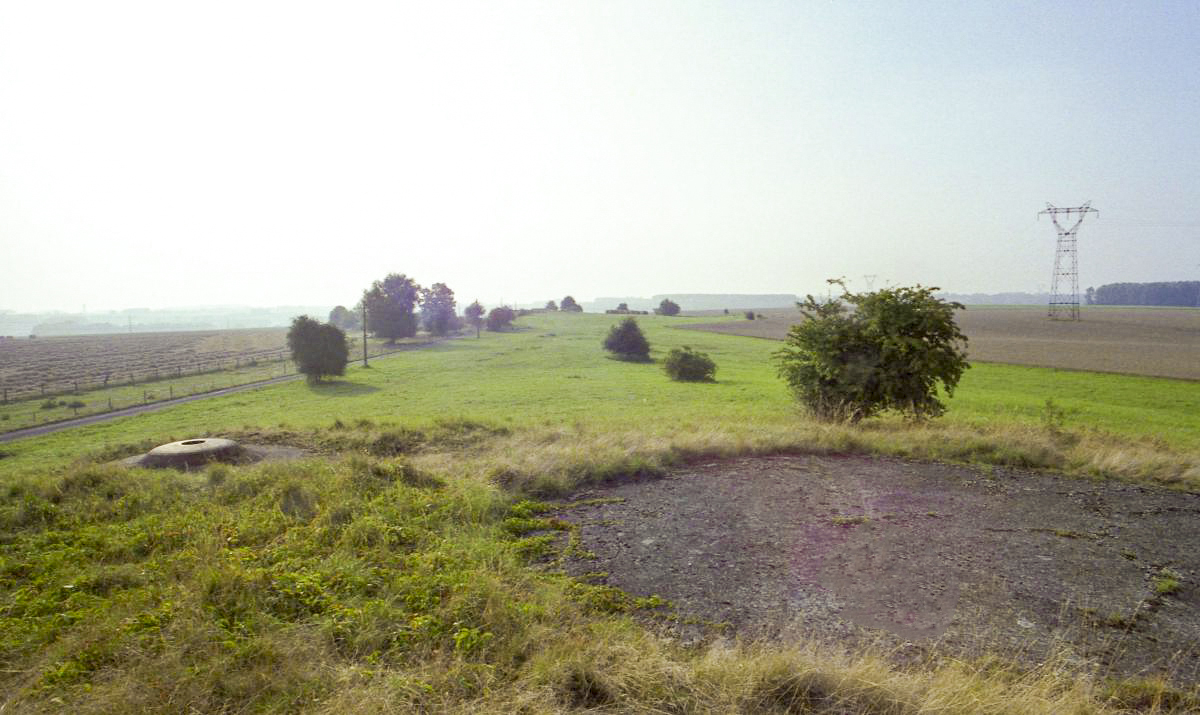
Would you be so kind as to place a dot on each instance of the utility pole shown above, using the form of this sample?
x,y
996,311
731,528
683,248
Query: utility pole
x,y
364,322
1064,299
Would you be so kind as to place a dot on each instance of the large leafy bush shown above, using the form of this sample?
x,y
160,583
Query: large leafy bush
x,y
868,352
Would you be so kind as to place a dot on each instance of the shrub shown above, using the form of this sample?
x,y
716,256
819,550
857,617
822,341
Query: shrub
x,y
668,307
500,318
319,350
626,340
749,315
689,365
891,352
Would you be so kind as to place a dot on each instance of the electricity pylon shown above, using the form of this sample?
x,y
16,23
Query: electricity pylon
x,y
1064,300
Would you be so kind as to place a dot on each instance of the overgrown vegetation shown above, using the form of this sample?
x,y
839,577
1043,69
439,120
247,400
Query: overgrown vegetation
x,y
891,352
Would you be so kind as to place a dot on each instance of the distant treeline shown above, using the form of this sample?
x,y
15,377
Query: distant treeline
x,y
1180,293
997,298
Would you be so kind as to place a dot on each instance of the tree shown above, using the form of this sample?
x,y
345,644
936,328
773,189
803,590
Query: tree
x,y
474,313
390,305
551,305
345,319
626,341
622,307
890,353
318,349
568,304
437,309
668,307
689,365
500,318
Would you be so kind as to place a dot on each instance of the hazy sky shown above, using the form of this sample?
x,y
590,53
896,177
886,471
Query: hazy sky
x,y
169,154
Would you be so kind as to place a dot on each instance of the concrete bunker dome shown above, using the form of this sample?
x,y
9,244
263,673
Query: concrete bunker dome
x,y
195,452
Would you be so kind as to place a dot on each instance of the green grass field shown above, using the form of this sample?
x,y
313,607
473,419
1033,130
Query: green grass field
x,y
553,374
392,571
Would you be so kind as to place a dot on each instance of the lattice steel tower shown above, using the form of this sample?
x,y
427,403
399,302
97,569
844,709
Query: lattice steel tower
x,y
1064,289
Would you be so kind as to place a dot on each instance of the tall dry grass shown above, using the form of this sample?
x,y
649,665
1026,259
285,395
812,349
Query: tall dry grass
x,y
553,460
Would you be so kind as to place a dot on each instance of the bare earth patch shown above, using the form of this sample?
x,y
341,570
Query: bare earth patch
x,y
922,557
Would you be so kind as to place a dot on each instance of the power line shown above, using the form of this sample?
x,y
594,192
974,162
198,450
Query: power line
x,y
1150,223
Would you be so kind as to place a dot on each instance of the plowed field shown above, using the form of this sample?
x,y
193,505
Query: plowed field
x,y
1159,342
91,361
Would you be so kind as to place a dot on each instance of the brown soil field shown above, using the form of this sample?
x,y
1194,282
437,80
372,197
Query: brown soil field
x,y
1159,342
59,363
920,559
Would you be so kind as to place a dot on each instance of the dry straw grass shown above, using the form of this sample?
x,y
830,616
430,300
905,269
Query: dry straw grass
x,y
552,460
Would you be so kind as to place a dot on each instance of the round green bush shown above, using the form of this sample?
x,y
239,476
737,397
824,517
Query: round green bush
x,y
627,341
689,365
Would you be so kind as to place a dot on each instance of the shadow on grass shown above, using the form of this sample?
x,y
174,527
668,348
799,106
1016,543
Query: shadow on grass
x,y
630,358
341,388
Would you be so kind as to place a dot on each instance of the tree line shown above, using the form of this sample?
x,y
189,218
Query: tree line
x,y
394,307
1177,293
